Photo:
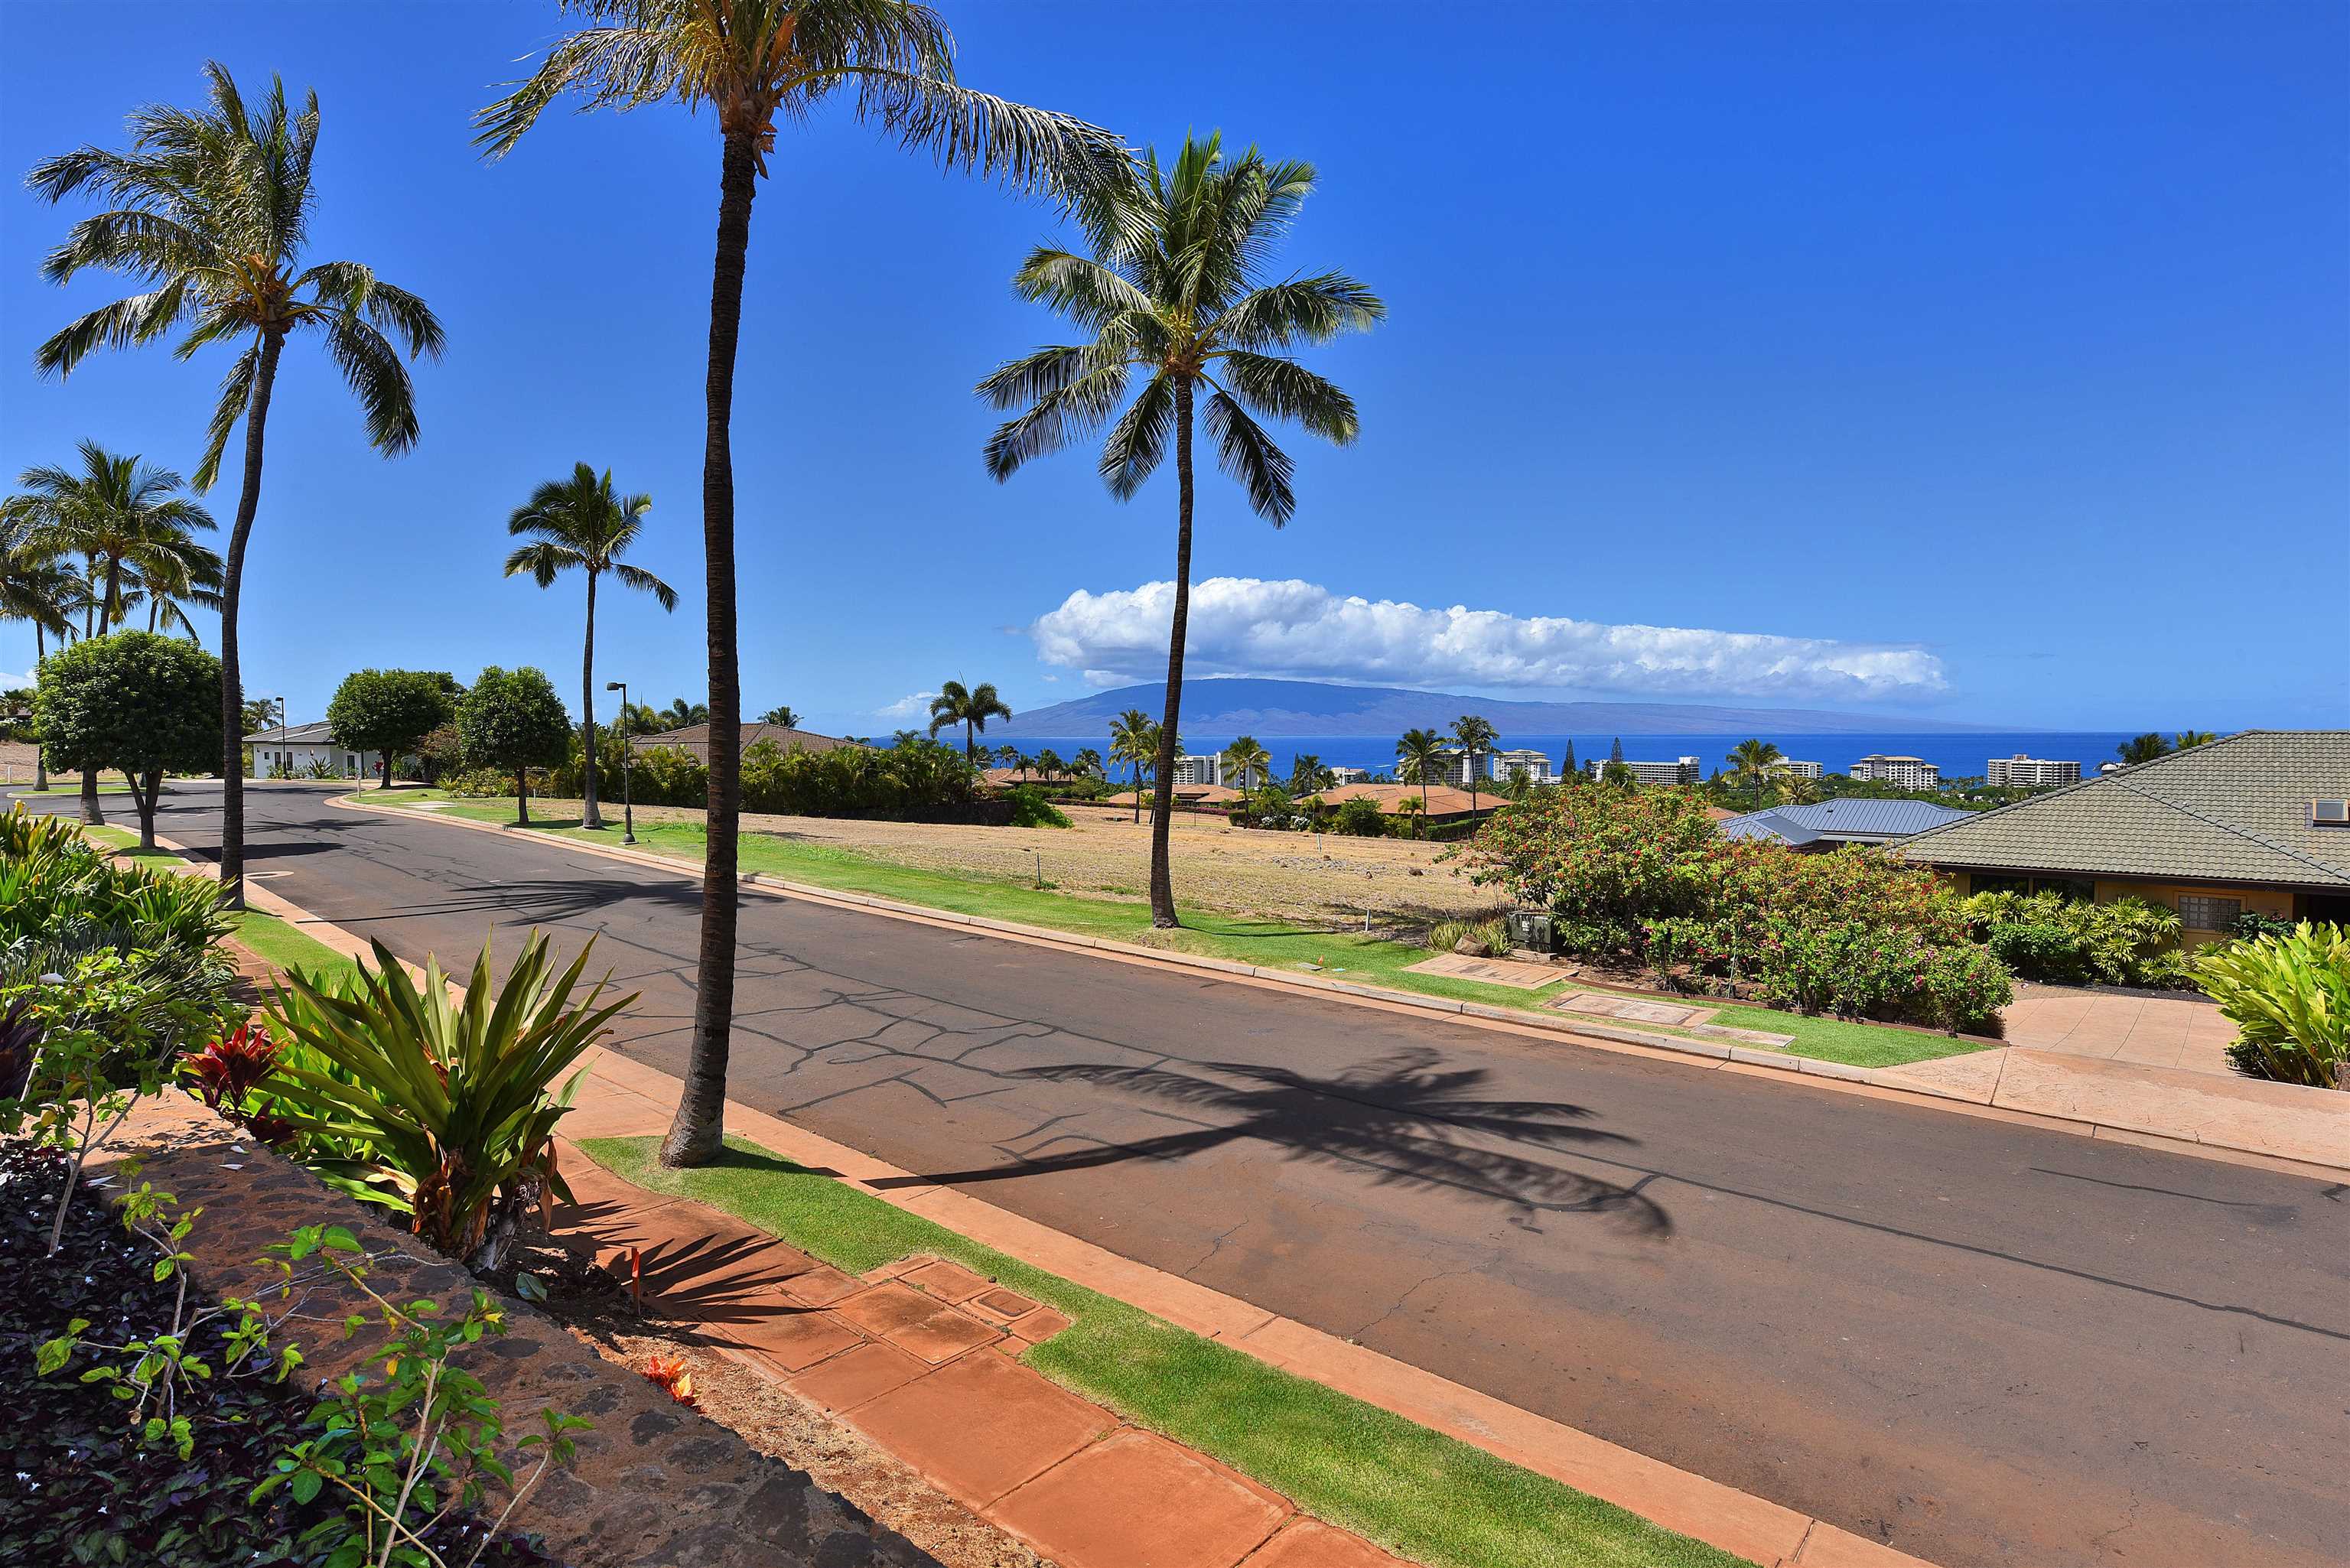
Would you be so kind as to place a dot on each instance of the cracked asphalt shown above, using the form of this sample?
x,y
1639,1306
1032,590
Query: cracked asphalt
x,y
1982,1343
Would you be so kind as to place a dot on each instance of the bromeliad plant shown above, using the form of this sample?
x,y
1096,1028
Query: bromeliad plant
x,y
452,1100
2289,997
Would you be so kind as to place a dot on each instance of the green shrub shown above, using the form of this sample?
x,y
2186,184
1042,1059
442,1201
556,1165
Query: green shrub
x,y
2071,941
1642,875
1446,936
2289,997
1360,817
455,1101
1031,809
1493,938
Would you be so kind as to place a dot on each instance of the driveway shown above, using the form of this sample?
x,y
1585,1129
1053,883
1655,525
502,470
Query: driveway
x,y
1983,1343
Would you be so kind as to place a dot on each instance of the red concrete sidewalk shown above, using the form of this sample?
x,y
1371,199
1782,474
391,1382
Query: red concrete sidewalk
x,y
920,1356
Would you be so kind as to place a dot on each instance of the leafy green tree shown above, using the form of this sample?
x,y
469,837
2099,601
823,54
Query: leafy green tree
x,y
143,703
388,710
2142,748
1475,737
756,63
1245,760
2188,739
512,718
1169,287
1134,741
971,707
1754,765
213,212
1618,774
783,714
1420,758
580,523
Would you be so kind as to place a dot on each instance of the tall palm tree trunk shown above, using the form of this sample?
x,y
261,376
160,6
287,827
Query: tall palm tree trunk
x,y
40,752
588,815
249,501
695,1137
1162,797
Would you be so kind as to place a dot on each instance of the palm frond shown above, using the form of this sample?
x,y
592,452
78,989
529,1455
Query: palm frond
x,y
643,581
544,560
1054,420
1246,453
1036,150
235,395
1302,310
1285,389
1135,445
126,322
376,377
607,66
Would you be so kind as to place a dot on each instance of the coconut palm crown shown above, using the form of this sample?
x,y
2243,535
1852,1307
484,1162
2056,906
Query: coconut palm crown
x,y
126,519
971,707
1170,288
582,523
211,209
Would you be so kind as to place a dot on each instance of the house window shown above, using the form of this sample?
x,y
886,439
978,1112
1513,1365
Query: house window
x,y
2199,913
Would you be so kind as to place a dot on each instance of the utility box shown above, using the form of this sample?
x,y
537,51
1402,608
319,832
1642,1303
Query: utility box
x,y
1534,931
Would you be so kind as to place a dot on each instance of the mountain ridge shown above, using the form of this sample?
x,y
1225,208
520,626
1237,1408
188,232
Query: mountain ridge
x,y
1250,705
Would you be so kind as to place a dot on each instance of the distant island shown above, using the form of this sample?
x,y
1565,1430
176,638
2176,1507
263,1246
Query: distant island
x,y
1229,704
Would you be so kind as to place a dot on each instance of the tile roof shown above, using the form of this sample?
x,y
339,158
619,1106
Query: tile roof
x,y
2236,810
1849,819
312,734
694,740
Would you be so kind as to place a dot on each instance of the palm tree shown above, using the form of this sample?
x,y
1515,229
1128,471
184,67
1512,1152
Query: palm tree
x,y
755,62
192,576
971,707
1134,740
213,213
681,715
2188,739
2142,748
1049,764
1087,764
1419,757
1244,759
783,714
1754,763
122,515
581,522
1618,773
1008,756
37,585
1169,289
1476,737
1307,775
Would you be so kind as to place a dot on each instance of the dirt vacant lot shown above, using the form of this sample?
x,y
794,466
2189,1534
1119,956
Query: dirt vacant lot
x,y
1217,866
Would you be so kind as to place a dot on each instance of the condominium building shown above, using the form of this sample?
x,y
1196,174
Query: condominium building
x,y
1530,765
1902,773
1795,769
2033,772
1341,777
1456,767
1681,771
1198,771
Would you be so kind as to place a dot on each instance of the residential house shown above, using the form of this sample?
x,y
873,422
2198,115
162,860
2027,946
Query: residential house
x,y
306,751
2256,823
2032,772
1445,804
1832,824
1903,773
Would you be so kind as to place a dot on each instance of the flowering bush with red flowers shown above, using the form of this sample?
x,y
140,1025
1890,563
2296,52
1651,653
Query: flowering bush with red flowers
x,y
1643,875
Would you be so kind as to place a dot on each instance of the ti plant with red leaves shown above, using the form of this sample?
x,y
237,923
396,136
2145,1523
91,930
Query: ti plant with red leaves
x,y
227,1074
668,1373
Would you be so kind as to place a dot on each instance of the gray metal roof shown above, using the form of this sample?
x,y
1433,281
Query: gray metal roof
x,y
1847,820
2234,811
292,735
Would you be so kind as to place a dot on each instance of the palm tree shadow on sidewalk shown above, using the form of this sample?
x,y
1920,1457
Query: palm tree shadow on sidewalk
x,y
1398,1119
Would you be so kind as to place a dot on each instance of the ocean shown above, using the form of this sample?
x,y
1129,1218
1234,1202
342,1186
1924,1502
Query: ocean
x,y
1960,754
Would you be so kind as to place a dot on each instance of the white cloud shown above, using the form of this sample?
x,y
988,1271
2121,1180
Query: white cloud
x,y
12,682
1243,625
914,705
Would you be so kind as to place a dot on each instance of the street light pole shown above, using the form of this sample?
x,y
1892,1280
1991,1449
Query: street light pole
x,y
628,755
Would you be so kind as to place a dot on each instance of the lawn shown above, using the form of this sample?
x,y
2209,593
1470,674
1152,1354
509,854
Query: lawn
x,y
1414,1490
1352,956
273,941
27,790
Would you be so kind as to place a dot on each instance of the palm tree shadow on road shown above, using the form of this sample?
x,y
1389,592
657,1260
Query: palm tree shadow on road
x,y
1398,1119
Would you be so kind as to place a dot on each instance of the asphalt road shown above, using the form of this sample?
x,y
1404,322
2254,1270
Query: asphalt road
x,y
1980,1342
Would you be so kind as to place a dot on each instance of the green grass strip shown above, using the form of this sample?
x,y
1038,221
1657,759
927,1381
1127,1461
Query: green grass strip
x,y
1271,944
1413,1490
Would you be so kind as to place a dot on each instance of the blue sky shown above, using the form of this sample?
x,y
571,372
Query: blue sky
x,y
1989,362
